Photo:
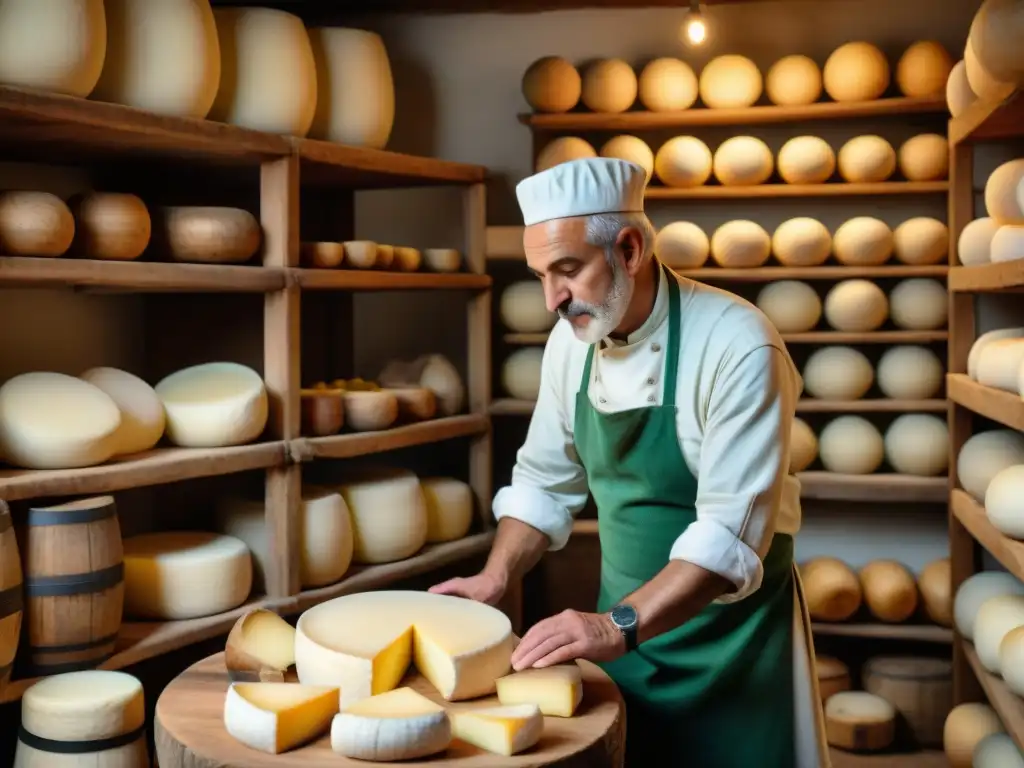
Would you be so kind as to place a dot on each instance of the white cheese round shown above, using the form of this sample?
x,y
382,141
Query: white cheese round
x,y
1011,660
856,71
866,159
924,157
863,241
1007,243
996,616
523,308
858,719
919,304
984,455
974,356
790,305
730,82
802,242
793,81
142,413
1004,502
742,161
975,590
667,84
683,161
564,149
959,95
910,373
389,514
921,240
918,444
682,245
803,446
997,750
740,244
397,725
806,160
975,243
838,373
1000,362
851,445
1001,192
856,306
521,373
966,725
449,508
609,85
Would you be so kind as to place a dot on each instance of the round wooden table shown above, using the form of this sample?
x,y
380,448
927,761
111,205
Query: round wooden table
x,y
190,731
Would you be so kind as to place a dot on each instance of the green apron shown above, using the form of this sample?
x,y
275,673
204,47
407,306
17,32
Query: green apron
x,y
716,692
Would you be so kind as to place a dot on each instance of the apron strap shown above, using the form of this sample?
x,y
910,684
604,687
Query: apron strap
x,y
585,380
668,397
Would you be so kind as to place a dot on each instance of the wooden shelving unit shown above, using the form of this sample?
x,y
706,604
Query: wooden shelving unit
x,y
278,171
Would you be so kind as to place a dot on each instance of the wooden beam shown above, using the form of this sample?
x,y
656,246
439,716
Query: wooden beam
x,y
322,9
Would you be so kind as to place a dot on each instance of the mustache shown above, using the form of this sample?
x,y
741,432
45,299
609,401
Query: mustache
x,y
570,309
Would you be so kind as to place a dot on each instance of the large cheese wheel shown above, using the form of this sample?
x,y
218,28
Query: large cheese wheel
x,y
995,34
683,161
851,445
389,513
923,69
793,81
997,750
742,161
806,160
935,585
866,159
1001,193
740,244
910,373
667,84
975,590
629,148
35,224
54,421
856,71
521,372
1011,660
730,82
803,446
802,242
838,373
924,157
175,575
1007,243
975,243
999,364
449,508
959,95
609,85
856,306
831,589
433,372
863,241
919,304
268,78
523,308
110,225
564,149
979,345
790,305
966,725
163,57
142,414
984,455
552,84
682,245
1003,504
982,82
859,720
996,616
918,444
213,405
890,590
363,643
920,241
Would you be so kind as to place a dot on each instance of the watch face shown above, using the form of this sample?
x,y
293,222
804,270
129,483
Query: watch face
x,y
624,616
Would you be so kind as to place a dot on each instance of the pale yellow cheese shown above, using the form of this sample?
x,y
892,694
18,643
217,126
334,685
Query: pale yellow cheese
x,y
261,646
276,717
557,690
502,730
142,414
398,725
449,508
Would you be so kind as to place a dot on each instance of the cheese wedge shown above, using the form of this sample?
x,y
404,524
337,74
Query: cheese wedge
x,y
260,647
502,730
398,725
557,690
276,717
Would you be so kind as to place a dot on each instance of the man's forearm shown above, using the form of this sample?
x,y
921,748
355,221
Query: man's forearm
x,y
679,592
517,548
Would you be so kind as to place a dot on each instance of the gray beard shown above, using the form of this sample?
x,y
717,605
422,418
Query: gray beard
x,y
606,316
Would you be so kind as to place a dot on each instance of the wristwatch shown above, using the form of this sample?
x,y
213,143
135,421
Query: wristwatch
x,y
624,617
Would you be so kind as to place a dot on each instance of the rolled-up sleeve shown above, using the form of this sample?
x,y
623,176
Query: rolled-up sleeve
x,y
549,485
744,460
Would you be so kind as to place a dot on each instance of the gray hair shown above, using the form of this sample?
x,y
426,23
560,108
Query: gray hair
x,y
604,228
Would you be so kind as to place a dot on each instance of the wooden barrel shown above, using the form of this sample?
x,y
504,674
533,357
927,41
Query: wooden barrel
x,y
74,584
921,690
10,595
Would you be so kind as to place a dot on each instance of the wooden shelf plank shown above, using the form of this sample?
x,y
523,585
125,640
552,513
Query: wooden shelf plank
x,y
510,407
971,515
926,633
797,190
811,337
1000,116
999,276
884,487
1007,408
1007,705
156,467
381,280
347,446
824,272
759,115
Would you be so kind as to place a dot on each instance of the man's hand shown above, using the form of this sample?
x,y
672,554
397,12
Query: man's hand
x,y
483,588
569,635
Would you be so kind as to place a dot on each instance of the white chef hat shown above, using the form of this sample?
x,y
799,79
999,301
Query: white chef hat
x,y
582,188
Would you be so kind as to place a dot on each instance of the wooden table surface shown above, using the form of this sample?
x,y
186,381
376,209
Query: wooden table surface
x,y
190,730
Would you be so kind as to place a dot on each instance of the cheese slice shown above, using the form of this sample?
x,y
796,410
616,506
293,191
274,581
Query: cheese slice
x,y
557,690
502,730
364,643
276,717
260,646
398,725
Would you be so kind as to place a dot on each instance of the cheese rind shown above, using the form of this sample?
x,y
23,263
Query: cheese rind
x,y
84,706
142,414
859,720
277,717
557,690
449,508
398,725
389,514
502,730
260,647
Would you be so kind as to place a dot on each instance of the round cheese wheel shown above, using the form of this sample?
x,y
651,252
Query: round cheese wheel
x,y
831,589
523,308
910,373
966,725
742,161
996,616
890,590
389,513
838,373
1007,243
629,148
449,508
979,345
564,149
923,69
683,161
866,159
936,587
833,676
959,95
740,244
35,224
790,305
520,375
918,444
920,241
682,245
552,84
213,234
609,85
803,446
975,243
851,445
793,81
1003,501
667,84
859,720
997,750
730,82
924,157
984,455
1001,193
999,364
856,306
919,304
981,81
806,160
863,241
111,226
142,414
856,71
995,33
1011,660
802,242
976,590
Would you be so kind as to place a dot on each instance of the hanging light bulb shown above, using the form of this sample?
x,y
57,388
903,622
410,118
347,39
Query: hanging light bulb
x,y
694,26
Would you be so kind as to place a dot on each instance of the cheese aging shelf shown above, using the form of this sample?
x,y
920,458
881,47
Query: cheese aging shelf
x,y
282,181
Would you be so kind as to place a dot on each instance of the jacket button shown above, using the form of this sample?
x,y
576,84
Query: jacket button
x,y
650,381
655,347
650,398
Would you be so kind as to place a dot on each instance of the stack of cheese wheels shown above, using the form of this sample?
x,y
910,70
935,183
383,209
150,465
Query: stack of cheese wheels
x,y
917,444
975,590
985,455
831,588
890,590
389,513
995,359
851,445
1004,202
552,84
966,726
